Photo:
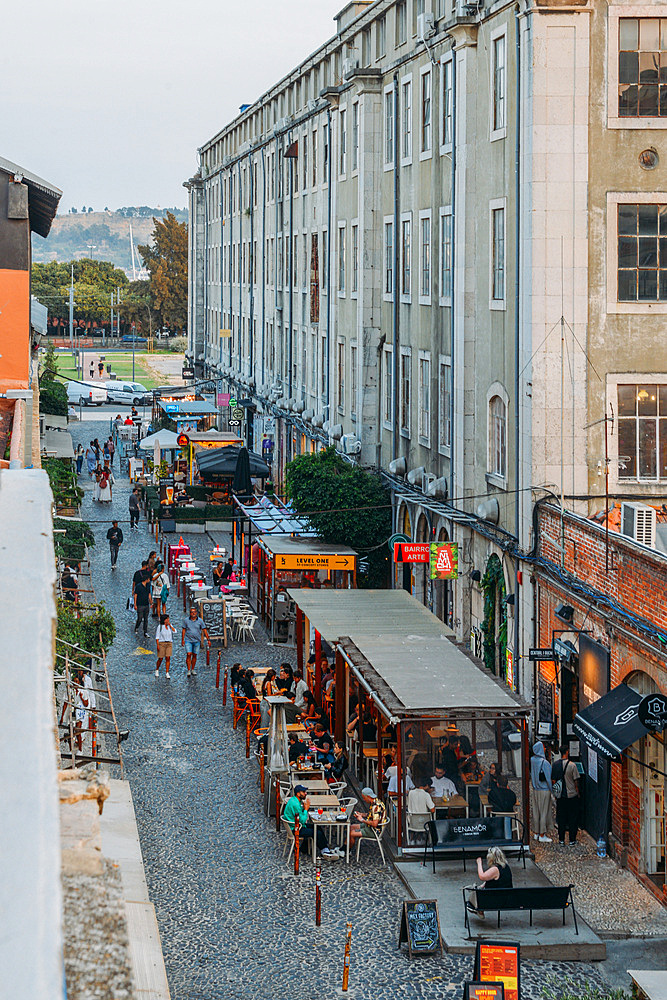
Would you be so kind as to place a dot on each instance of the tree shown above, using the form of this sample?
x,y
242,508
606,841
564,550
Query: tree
x,y
136,306
345,505
166,258
94,281
52,392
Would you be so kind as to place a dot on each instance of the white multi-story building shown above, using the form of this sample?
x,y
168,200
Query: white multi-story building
x,y
405,248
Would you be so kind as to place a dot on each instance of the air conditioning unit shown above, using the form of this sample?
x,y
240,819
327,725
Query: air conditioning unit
x,y
318,420
489,510
350,444
312,105
349,65
438,487
427,479
638,522
336,432
398,467
308,415
415,475
425,25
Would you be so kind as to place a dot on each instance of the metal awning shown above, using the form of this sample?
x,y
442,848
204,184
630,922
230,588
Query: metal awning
x,y
43,197
611,724
186,408
56,444
411,659
275,518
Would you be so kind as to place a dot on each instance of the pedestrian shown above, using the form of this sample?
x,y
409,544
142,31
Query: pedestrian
x,y
106,480
91,459
115,537
540,781
163,639
92,369
152,559
107,455
100,368
112,450
96,484
142,602
98,450
193,630
79,459
159,583
565,778
134,509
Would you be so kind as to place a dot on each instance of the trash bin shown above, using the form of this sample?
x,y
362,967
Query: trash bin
x,y
514,740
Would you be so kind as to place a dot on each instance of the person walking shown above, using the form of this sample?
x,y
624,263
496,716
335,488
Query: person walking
x,y
115,537
159,583
91,459
540,781
134,510
142,602
106,479
112,450
96,484
106,455
565,778
79,459
193,630
163,639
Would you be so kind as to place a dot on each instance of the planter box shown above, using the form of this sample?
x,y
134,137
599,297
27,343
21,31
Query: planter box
x,y
191,526
219,526
168,524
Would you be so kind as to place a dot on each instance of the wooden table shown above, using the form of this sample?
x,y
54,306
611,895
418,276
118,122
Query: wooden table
x,y
323,801
453,802
296,727
312,785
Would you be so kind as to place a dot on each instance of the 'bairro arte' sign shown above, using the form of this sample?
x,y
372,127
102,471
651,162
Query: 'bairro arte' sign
x,y
442,557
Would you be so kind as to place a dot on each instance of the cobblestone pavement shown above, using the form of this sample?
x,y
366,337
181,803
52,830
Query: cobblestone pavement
x,y
234,920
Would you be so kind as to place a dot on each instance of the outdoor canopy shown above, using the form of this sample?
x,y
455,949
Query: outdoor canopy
x,y
214,462
164,438
611,724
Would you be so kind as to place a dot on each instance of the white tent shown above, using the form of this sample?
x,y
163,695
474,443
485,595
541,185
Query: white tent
x,y
164,439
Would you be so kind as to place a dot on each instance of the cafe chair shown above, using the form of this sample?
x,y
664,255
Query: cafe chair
x,y
289,840
338,787
374,835
247,627
416,823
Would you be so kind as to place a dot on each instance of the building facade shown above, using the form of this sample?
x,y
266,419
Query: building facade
x,y
410,247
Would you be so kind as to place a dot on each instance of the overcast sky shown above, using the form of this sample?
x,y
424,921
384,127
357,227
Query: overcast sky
x,y
109,99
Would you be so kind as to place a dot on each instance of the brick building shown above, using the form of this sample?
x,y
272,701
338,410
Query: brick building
x,y
602,595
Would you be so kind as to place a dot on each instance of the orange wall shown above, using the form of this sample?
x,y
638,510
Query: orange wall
x,y
14,328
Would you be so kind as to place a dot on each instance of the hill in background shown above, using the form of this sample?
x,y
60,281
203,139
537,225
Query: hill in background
x,y
108,233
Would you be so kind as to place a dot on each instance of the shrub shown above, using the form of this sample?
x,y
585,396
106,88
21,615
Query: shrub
x,y
86,631
53,398
569,989
72,545
178,345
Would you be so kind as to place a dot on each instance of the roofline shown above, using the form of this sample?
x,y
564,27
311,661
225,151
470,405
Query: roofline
x,y
30,178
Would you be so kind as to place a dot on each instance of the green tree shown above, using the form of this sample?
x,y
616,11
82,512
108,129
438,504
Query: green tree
x,y
137,307
346,506
166,258
94,281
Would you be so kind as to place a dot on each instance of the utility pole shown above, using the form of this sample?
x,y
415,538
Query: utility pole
x,y
111,329
71,311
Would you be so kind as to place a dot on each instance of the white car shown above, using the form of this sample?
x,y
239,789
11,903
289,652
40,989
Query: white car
x,y
127,392
86,393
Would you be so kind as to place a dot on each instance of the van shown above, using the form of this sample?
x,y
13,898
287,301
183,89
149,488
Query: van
x,y
86,393
134,393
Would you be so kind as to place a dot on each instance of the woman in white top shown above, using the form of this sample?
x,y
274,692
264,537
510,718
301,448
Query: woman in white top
x,y
163,640
160,586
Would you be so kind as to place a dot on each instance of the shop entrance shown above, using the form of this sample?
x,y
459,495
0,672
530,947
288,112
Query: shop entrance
x,y
655,818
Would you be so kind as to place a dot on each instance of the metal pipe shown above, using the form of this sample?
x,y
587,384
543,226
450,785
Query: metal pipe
x,y
518,479
263,266
326,362
240,264
291,268
395,289
452,311
251,269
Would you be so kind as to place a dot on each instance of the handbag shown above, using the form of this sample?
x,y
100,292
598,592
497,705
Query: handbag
x,y
558,782
164,593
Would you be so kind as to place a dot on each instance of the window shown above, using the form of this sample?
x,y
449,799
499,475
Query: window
x,y
342,165
325,272
353,380
642,432
381,37
642,252
355,136
314,176
445,254
401,22
405,257
424,403
404,416
305,160
325,155
340,373
425,259
447,102
406,121
389,127
355,259
426,112
498,84
417,9
388,382
497,255
366,47
445,405
341,260
325,364
497,437
389,258
295,262
642,67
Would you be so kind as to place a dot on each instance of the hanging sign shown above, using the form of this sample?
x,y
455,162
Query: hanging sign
x,y
238,413
222,399
315,560
182,440
398,537
188,373
652,712
418,552
444,560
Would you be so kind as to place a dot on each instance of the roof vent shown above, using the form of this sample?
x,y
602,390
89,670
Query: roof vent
x,y
638,522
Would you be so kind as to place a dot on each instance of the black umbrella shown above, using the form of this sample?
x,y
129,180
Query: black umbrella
x,y
242,485
216,462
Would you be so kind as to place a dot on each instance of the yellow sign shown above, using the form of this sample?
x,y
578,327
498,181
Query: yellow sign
x,y
225,333
314,561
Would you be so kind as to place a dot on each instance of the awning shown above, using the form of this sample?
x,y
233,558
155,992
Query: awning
x,y
611,723
213,462
164,438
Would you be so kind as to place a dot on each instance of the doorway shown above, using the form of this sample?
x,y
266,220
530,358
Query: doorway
x,y
653,801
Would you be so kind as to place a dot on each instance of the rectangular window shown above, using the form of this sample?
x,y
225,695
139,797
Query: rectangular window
x,y
497,437
325,273
642,253
295,357
498,81
341,260
424,398
355,136
405,258
389,127
304,160
406,121
314,280
366,47
340,373
342,163
305,275
445,254
389,258
642,432
426,112
388,383
425,261
324,365
445,405
642,67
404,416
314,177
498,254
353,380
381,37
447,102
325,155
355,259
401,22
313,363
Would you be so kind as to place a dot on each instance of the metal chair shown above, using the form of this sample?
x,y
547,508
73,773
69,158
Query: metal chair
x,y
338,787
290,840
375,836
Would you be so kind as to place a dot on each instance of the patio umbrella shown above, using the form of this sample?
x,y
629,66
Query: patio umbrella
x,y
165,438
215,462
242,485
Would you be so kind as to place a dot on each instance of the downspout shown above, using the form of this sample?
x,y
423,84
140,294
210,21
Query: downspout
x,y
240,269
452,315
290,346
328,267
231,259
395,290
263,266
277,337
517,333
206,276
222,270
251,269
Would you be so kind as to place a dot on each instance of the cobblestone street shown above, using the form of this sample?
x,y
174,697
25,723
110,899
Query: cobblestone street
x,y
234,920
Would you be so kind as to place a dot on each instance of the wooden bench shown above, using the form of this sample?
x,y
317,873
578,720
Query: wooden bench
x,y
473,835
537,897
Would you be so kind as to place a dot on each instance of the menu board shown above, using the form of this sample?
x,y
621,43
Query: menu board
x,y
498,962
420,926
484,991
213,614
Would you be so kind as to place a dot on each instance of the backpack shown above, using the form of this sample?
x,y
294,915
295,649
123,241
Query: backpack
x,y
558,782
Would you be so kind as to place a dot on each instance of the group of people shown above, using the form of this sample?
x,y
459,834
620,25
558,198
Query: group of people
x,y
554,780
299,805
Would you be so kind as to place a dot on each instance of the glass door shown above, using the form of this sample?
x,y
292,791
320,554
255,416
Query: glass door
x,y
655,820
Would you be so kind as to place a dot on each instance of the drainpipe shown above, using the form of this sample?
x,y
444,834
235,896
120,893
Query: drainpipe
x,y
395,310
251,269
517,332
231,259
290,346
328,267
452,315
263,266
240,268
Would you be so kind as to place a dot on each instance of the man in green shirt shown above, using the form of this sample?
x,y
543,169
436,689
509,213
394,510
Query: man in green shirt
x,y
298,806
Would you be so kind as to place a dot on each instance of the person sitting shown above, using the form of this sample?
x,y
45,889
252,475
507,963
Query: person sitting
x,y
296,748
373,819
392,774
247,686
325,754
501,797
300,688
320,736
335,770
498,875
298,805
236,676
285,680
448,760
419,799
218,578
489,778
441,786
227,570
69,584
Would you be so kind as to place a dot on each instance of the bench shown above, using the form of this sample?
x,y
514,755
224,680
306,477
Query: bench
x,y
473,835
550,897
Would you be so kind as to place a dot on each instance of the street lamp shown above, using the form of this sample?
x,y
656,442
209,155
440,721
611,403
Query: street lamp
x,y
91,247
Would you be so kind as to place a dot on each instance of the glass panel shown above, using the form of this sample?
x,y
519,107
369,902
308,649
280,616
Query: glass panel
x,y
663,252
647,400
627,251
648,252
663,99
627,286
649,34
663,447
663,33
647,449
627,219
627,449
628,30
663,68
628,98
648,101
628,67
648,220
627,396
648,68
662,399
647,286
663,286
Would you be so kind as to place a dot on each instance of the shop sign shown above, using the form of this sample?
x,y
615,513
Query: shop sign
x,y
509,668
232,402
498,962
222,399
417,552
541,653
444,560
652,712
183,440
314,560
484,991
188,373
238,413
398,537
171,407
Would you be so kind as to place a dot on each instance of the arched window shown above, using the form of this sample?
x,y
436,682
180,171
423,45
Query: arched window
x,y
497,463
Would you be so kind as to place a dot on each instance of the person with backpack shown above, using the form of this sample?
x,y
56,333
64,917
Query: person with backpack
x,y
565,777
540,781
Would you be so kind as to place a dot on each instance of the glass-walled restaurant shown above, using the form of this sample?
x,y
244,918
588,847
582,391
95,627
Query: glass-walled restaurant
x,y
411,707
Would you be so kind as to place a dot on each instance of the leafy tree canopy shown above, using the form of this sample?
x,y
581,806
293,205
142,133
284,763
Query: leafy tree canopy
x,y
166,258
346,505
94,281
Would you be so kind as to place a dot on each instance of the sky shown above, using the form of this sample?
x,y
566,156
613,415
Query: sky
x,y
110,99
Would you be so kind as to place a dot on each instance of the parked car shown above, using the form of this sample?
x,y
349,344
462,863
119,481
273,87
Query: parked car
x,y
128,392
129,337
86,393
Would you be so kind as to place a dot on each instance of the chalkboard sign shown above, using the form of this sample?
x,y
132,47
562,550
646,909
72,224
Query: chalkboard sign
x,y
213,613
483,991
546,700
420,927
